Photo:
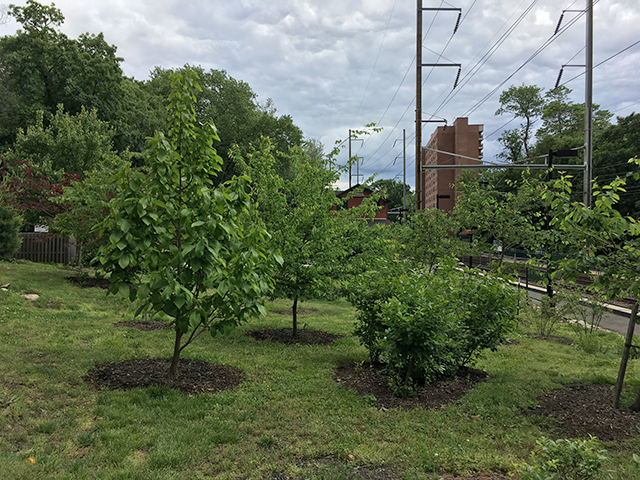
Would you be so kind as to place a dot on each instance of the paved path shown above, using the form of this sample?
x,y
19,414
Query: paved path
x,y
616,319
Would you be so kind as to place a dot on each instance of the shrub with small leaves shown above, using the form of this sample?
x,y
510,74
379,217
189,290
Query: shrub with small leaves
x,y
9,233
565,460
437,323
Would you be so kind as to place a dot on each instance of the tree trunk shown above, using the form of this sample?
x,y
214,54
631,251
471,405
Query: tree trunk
x,y
294,310
625,358
173,370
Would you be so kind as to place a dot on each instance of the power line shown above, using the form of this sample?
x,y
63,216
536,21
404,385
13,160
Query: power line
x,y
604,61
548,42
375,63
425,80
474,69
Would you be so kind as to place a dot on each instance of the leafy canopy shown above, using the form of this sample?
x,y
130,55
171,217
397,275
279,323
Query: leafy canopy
x,y
179,245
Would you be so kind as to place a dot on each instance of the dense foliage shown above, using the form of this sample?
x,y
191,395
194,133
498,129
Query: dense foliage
x,y
425,325
9,233
181,245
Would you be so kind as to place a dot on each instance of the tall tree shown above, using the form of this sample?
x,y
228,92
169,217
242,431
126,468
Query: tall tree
x,y
68,144
240,119
613,146
51,69
392,190
526,103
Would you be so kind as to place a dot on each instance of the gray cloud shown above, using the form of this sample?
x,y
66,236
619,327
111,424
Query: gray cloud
x,y
316,59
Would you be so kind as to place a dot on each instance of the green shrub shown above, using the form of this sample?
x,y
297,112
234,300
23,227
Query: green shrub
x,y
9,233
565,460
367,293
437,323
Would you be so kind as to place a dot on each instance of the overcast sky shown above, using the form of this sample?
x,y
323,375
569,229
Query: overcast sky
x,y
339,64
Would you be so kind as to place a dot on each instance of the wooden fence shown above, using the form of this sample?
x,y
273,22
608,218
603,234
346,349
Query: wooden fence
x,y
46,248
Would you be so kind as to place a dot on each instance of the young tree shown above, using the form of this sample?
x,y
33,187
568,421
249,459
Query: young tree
x,y
318,243
429,236
87,204
608,244
178,244
503,216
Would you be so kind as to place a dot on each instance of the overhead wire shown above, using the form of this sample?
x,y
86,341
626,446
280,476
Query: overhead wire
x,y
474,69
424,81
405,76
545,44
375,63
604,61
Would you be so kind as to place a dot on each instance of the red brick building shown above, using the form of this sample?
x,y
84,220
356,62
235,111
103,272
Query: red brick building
x,y
460,138
355,200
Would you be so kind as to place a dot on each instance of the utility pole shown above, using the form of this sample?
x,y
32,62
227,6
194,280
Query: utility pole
x,y
588,107
418,139
419,65
404,176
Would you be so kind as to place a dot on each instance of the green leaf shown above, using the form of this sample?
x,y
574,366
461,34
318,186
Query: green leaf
x,y
123,261
124,224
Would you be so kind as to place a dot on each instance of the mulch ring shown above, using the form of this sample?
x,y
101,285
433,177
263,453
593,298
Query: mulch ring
x,y
289,311
89,282
144,325
367,379
581,410
194,376
303,336
550,338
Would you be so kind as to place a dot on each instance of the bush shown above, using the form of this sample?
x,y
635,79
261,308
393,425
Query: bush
x,y
367,293
9,233
428,325
565,460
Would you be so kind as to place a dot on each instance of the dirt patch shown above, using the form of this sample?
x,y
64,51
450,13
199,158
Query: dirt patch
x,y
194,376
89,282
144,325
368,379
581,410
289,311
303,337
550,338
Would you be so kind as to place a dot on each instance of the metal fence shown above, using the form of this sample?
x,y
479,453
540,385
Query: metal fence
x,y
46,248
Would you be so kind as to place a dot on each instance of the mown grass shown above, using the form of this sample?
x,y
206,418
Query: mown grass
x,y
287,416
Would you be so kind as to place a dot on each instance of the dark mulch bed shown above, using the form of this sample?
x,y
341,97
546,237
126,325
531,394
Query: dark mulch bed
x,y
88,282
367,379
289,311
303,337
144,325
478,476
582,410
194,376
550,338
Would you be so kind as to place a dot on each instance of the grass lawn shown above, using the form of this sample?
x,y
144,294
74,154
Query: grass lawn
x,y
288,419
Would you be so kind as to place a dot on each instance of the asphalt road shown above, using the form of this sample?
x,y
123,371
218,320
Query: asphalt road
x,y
616,319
